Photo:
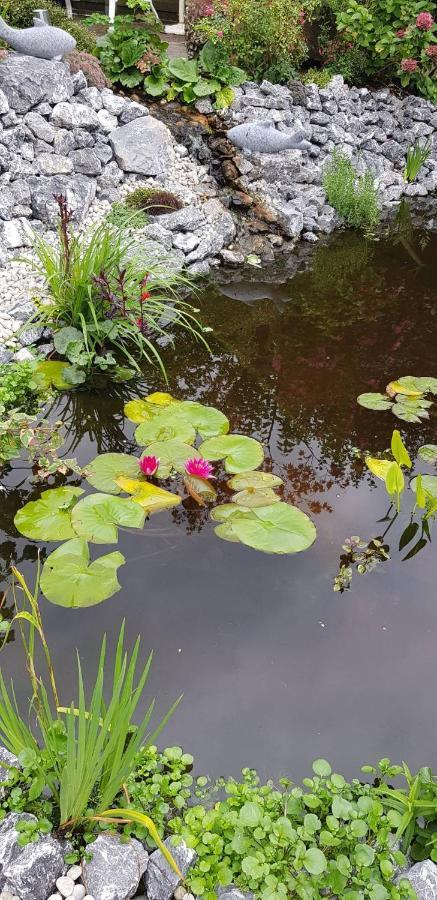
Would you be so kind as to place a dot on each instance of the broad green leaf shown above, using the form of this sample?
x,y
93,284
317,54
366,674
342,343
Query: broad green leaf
x,y
149,496
97,517
397,387
374,401
184,69
224,97
315,861
104,470
421,385
250,814
429,484
200,489
140,410
172,456
394,480
66,336
241,453
165,427
322,768
224,512
378,467
399,450
160,398
364,855
428,452
207,420
254,480
406,414
69,579
49,373
280,528
49,518
226,532
253,497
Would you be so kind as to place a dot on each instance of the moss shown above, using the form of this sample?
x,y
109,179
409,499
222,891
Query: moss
x,y
123,216
153,201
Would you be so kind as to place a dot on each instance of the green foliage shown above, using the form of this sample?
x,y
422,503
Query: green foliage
x,y
328,837
211,75
161,786
153,201
397,42
390,471
39,440
69,579
122,216
353,196
320,77
405,396
417,156
20,15
360,556
131,39
17,389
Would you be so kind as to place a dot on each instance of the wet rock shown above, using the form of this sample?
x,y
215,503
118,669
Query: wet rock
x,y
423,878
142,146
115,869
160,879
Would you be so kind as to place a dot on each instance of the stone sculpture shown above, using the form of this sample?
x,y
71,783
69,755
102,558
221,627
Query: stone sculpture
x,y
262,137
42,41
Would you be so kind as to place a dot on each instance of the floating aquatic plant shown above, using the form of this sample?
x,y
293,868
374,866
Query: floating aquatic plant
x,y
149,465
69,579
406,397
200,468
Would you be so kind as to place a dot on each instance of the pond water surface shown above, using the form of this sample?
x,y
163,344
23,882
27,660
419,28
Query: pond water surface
x,y
277,669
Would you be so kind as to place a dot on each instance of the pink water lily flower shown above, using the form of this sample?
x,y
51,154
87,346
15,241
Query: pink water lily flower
x,y
200,468
149,465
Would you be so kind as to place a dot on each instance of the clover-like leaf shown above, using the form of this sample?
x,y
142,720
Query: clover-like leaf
x,y
172,456
428,452
69,579
150,497
49,518
97,517
104,470
241,453
165,427
374,401
254,480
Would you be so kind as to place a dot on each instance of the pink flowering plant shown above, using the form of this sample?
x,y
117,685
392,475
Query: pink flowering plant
x,y
400,39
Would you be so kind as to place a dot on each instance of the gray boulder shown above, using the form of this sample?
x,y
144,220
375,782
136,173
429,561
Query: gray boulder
x,y
75,115
4,105
262,137
54,164
142,146
423,877
115,870
9,847
133,111
79,190
86,162
40,127
33,871
27,81
186,219
160,879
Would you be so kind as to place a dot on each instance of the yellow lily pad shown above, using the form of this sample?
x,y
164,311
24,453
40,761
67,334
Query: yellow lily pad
x,y
150,497
396,387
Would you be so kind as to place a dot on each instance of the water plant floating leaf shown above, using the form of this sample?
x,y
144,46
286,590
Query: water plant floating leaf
x,y
200,489
278,528
428,452
396,387
97,517
69,579
49,518
164,427
208,421
172,456
374,401
254,497
254,480
144,409
378,467
150,497
241,453
405,397
423,385
48,373
104,470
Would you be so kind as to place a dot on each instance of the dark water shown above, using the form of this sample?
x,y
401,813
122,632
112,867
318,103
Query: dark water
x,y
276,668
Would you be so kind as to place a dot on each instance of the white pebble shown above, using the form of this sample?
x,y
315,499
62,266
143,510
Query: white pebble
x,y
55,897
78,892
88,897
74,872
65,885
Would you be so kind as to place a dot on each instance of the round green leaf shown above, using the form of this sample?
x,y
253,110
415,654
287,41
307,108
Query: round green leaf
x,y
104,470
69,579
246,480
140,410
250,814
252,497
364,855
97,516
165,427
322,768
315,861
241,453
172,456
280,528
49,373
428,452
223,512
429,484
374,401
423,384
207,420
49,518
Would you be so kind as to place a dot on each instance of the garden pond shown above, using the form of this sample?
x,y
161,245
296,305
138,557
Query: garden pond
x,y
276,668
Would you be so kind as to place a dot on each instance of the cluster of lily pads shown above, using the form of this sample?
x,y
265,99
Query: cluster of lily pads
x,y
168,430
406,397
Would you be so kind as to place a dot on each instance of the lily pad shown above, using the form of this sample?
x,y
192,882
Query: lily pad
x,y
144,409
428,452
224,512
374,401
226,532
49,518
200,489
396,387
172,456
107,467
165,427
409,412
254,497
97,517
69,579
49,373
254,480
241,453
423,385
150,497
207,420
429,484
378,467
279,528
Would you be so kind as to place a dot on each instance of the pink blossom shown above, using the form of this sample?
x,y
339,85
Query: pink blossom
x,y
431,51
409,65
200,468
149,465
208,10
401,33
424,21
302,17
220,34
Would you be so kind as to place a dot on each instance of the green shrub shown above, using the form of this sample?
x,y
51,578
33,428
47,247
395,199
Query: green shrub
x,y
320,77
127,49
19,14
153,201
353,196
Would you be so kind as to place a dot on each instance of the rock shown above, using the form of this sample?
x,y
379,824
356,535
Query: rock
x,y
54,164
78,892
4,105
40,127
290,219
16,234
65,885
112,102
220,218
142,146
107,122
34,870
92,96
115,869
10,760
63,141
160,879
204,107
7,203
133,111
75,115
27,81
155,232
9,847
186,242
423,878
232,893
79,190
74,872
86,162
186,219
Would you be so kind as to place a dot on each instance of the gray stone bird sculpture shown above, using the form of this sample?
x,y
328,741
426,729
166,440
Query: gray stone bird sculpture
x,y
43,41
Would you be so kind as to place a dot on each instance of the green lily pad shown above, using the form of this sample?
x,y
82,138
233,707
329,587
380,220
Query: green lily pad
x,y
429,484
164,427
409,412
149,496
49,518
172,456
241,453
97,517
424,385
208,421
104,470
144,409
224,512
280,528
428,452
374,401
49,373
69,579
253,497
254,480
226,532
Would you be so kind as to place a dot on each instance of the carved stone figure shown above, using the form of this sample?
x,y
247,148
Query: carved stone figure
x,y
262,137
43,41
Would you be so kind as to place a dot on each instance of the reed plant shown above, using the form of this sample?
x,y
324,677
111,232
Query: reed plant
x,y
417,156
353,196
